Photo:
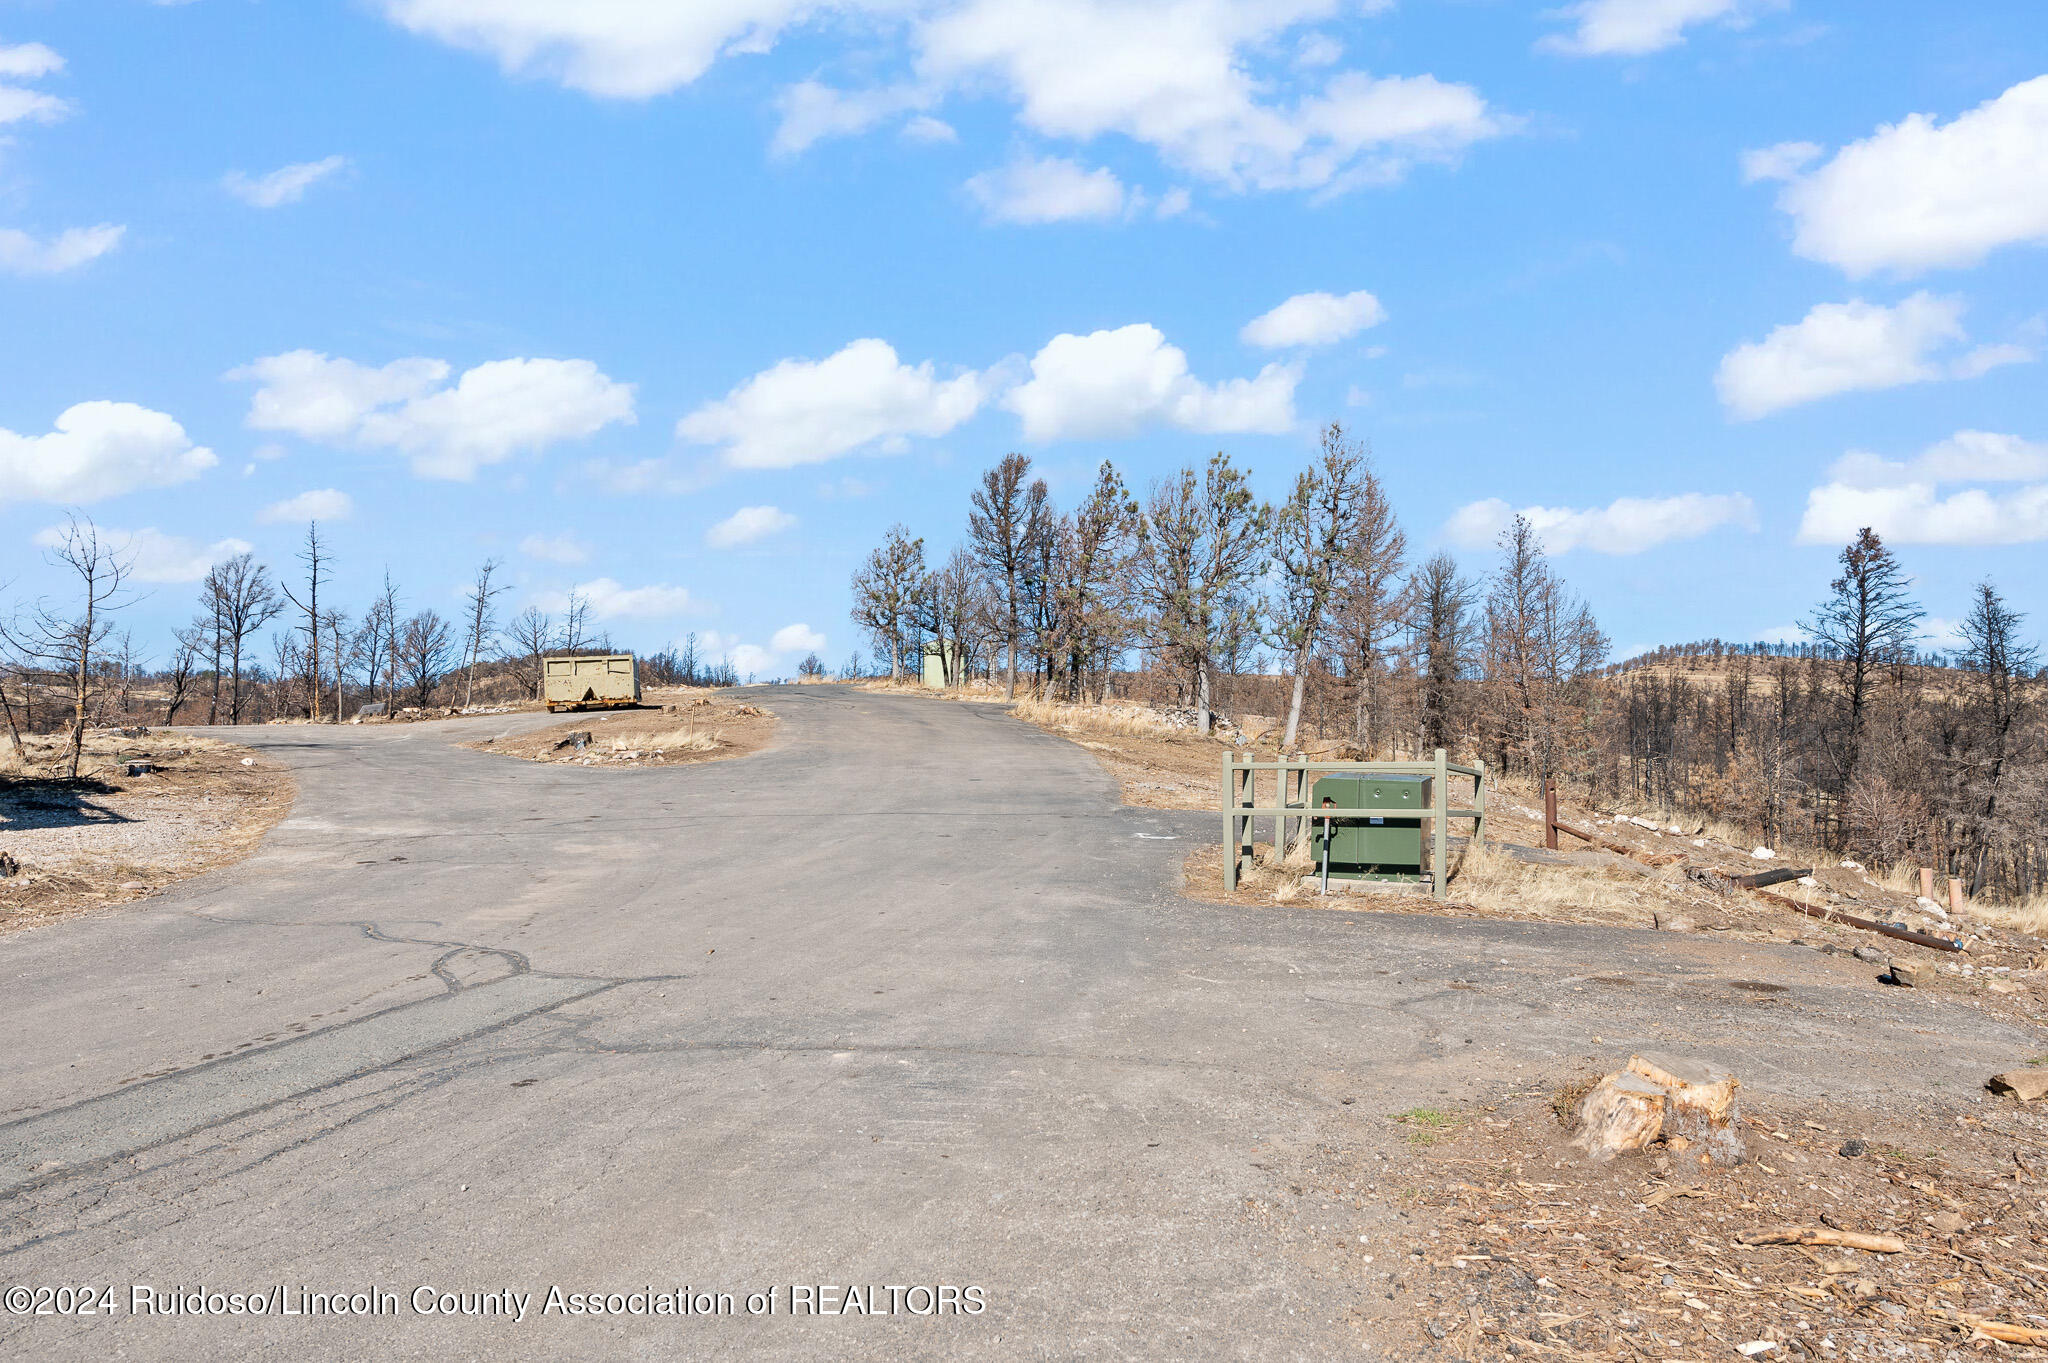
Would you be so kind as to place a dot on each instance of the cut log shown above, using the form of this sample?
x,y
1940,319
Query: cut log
x,y
1709,879
2025,1085
1823,1235
1700,1104
1622,1112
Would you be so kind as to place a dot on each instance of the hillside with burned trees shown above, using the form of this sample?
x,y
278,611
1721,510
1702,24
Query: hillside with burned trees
x,y
1195,595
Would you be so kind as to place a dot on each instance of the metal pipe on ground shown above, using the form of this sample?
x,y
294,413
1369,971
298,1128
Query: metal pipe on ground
x,y
1830,916
1622,848
1763,878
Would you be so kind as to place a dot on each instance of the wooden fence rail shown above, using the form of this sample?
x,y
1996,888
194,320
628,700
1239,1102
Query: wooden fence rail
x,y
1292,817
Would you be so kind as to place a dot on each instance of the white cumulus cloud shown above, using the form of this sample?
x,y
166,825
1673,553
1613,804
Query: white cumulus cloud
x,y
320,504
619,49
1634,28
809,411
748,524
494,411
286,185
797,639
1312,319
99,449
1115,383
1920,194
1208,84
562,548
1904,500
1851,347
1186,78
609,600
1047,189
1627,525
28,61
23,254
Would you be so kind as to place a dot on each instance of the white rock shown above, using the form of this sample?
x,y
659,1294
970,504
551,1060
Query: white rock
x,y
248,761
1808,881
1674,829
1763,854
1699,842
1852,866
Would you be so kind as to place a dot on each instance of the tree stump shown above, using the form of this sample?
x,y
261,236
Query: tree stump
x,y
1701,1104
1623,1112
1685,1103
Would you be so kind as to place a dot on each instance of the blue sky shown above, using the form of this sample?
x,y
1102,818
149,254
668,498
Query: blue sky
x,y
684,305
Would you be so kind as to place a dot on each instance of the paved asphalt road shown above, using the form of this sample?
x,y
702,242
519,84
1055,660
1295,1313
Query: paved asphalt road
x,y
907,1000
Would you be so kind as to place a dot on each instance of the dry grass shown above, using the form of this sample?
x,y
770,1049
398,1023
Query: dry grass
x,y
679,740
700,730
104,751
1486,875
983,692
1121,721
2030,915
108,838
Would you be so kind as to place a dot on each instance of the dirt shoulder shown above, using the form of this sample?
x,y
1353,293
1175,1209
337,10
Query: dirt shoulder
x,y
109,838
1161,763
1522,1246
665,732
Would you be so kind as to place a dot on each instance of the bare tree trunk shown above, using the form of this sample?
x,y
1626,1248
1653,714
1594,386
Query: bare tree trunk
x,y
13,729
1294,704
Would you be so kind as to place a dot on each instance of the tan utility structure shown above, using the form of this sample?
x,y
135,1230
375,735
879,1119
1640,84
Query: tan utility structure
x,y
592,681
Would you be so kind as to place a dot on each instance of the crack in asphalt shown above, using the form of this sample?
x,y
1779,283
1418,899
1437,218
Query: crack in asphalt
x,y
30,1146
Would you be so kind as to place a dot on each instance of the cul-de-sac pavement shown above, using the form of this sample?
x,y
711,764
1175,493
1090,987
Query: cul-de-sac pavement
x,y
908,1003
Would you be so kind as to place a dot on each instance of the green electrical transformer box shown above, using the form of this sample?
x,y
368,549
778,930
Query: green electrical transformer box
x,y
1382,848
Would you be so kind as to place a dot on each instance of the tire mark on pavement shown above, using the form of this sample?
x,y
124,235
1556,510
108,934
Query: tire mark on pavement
x,y
95,1131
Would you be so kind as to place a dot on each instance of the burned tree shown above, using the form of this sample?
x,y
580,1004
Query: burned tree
x,y
482,624
1440,624
1201,546
316,559
63,643
1869,620
1008,525
237,599
885,590
1315,543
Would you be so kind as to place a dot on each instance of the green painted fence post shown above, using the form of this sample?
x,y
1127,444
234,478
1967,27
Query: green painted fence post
x,y
1479,803
1438,870
1248,798
1229,825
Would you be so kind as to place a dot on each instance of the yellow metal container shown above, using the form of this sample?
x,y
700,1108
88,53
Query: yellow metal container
x,y
592,681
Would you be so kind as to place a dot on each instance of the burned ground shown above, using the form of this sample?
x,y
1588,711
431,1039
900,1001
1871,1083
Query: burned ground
x,y
668,730
107,837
